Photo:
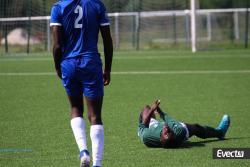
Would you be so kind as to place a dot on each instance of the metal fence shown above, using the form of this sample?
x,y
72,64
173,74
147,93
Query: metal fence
x,y
216,29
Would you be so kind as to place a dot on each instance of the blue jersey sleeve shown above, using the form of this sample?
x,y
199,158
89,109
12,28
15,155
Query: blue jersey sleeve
x,y
104,21
56,18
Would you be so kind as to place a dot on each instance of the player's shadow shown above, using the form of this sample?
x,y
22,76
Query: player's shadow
x,y
202,143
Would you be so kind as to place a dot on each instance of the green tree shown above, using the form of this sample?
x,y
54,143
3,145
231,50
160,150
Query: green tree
x,y
215,4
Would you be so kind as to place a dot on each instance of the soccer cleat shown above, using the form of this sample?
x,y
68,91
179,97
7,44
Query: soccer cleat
x,y
84,158
223,126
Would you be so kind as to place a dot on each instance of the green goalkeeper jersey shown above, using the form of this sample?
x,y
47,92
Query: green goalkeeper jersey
x,y
150,135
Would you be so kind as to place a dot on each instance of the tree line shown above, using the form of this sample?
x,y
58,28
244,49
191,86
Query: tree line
x,y
15,8
145,5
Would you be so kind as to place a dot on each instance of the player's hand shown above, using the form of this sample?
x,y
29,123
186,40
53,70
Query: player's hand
x,y
106,78
155,105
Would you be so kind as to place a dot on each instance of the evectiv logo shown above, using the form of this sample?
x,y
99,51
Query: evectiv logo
x,y
231,153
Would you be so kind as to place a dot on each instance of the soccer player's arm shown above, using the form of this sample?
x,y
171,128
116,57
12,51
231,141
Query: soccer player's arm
x,y
108,52
165,117
107,44
56,26
169,121
143,130
148,114
57,49
161,113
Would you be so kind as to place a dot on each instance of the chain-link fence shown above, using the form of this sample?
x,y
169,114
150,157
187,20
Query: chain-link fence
x,y
135,24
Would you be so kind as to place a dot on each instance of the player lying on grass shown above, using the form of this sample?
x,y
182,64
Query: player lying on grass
x,y
170,133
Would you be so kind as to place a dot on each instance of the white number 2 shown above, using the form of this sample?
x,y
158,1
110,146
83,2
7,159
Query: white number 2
x,y
78,11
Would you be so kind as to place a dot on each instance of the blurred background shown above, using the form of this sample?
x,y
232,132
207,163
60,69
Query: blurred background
x,y
135,24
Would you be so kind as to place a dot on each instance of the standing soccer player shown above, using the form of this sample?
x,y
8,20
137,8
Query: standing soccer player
x,y
75,26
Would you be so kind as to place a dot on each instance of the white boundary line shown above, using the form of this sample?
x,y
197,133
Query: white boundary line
x,y
181,72
27,74
134,58
26,59
136,73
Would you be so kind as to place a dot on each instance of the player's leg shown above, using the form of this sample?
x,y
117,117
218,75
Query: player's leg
x,y
74,91
203,131
91,76
96,129
78,128
94,107
209,132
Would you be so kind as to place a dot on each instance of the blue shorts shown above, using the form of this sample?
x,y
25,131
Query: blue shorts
x,y
83,76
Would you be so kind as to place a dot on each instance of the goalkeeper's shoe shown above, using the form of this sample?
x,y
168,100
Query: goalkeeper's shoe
x,y
223,126
84,158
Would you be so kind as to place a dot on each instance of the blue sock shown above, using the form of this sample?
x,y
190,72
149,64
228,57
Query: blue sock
x,y
83,153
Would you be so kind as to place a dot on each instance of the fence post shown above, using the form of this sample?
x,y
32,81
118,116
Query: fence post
x,y
48,34
174,23
209,27
138,26
117,35
29,27
247,24
134,26
193,25
187,28
45,28
5,29
236,26
231,35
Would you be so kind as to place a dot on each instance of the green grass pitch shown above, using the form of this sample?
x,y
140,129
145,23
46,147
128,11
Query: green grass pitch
x,y
35,118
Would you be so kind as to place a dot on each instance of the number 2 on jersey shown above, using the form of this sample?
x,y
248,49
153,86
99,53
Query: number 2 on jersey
x,y
78,11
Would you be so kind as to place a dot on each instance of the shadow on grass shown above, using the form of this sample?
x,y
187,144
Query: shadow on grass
x,y
189,144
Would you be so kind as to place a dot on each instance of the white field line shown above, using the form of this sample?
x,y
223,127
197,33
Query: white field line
x,y
137,73
132,58
26,59
181,72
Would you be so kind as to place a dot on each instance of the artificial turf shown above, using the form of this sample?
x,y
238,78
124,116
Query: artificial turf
x,y
193,88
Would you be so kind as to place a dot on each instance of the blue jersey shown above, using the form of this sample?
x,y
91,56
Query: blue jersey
x,y
80,21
